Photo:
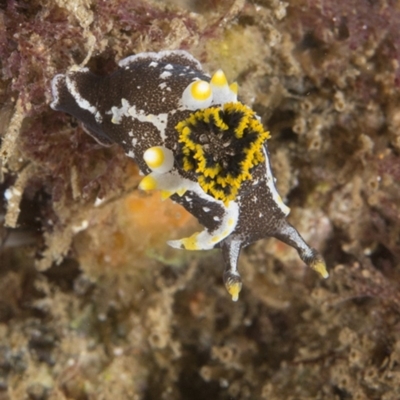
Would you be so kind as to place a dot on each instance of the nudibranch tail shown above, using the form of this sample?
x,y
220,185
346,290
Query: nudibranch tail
x,y
68,97
195,142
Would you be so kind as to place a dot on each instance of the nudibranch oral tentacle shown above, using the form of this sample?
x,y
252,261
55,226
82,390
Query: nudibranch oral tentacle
x,y
195,142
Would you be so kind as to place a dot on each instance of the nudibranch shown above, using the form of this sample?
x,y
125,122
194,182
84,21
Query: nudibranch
x,y
195,142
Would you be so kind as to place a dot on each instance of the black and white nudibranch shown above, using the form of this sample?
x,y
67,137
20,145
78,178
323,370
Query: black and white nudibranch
x,y
195,142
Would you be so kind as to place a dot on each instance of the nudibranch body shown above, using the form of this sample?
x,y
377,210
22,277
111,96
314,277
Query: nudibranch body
x,y
195,142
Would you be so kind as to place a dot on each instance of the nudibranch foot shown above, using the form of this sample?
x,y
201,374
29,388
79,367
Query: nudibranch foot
x,y
203,240
195,142
208,239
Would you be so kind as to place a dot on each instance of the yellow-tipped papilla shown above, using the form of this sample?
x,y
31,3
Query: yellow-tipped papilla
x,y
169,183
159,159
148,183
222,93
234,87
166,194
200,90
197,95
219,79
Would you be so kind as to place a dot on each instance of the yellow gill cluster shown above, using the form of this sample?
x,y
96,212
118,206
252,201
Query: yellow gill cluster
x,y
244,148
